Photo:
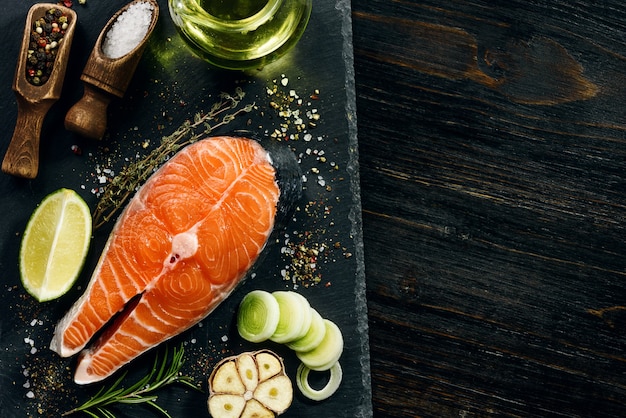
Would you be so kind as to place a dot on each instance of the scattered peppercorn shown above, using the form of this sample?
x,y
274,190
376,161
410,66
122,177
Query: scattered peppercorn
x,y
46,35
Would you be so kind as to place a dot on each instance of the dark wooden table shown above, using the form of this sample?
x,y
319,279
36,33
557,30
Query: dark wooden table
x,y
493,151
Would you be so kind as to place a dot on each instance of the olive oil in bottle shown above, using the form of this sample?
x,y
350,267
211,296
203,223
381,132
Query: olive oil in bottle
x,y
233,9
240,34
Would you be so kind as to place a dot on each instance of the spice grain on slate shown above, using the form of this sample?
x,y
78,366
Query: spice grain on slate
x,y
46,35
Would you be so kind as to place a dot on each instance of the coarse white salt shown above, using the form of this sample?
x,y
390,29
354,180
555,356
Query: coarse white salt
x,y
128,30
30,394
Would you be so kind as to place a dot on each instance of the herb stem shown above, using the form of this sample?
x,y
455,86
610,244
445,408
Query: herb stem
x,y
163,373
124,185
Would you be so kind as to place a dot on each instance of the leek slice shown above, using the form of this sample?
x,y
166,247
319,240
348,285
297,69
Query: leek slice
x,y
302,381
314,335
327,353
295,317
258,316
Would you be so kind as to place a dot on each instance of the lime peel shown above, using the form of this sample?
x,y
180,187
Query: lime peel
x,y
55,245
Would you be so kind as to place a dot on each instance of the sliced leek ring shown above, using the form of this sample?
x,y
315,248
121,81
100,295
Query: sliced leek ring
x,y
258,316
327,353
302,381
314,335
295,317
284,317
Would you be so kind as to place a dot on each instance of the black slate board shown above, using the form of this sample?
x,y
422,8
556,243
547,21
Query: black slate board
x,y
170,86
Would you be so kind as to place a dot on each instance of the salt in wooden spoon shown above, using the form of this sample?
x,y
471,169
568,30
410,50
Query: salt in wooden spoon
x,y
105,78
34,101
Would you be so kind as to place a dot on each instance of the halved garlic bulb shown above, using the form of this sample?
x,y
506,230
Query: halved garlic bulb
x,y
251,384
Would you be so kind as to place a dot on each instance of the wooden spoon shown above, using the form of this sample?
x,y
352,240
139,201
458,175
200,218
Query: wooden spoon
x,y
33,102
105,78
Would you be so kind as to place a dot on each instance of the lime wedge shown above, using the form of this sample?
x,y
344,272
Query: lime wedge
x,y
55,245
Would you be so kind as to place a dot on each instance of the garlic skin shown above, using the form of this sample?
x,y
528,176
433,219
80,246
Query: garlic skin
x,y
251,384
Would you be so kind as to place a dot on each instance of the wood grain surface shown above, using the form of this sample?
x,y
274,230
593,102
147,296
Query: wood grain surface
x,y
493,150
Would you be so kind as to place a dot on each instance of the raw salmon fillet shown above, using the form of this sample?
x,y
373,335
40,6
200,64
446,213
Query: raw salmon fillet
x,y
183,243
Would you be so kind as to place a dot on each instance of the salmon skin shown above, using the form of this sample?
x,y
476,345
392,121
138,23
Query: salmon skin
x,y
182,244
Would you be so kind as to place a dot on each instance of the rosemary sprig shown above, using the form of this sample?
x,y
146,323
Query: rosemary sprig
x,y
124,185
163,373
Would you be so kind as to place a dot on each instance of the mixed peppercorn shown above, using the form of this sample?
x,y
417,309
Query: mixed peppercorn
x,y
46,35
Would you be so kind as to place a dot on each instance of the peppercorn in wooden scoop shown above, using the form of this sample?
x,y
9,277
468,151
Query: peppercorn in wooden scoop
x,y
111,66
38,82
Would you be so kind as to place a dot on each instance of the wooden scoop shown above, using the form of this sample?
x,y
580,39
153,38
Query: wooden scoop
x,y
105,78
33,102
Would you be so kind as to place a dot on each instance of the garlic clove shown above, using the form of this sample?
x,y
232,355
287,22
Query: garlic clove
x,y
254,409
269,365
248,371
227,380
226,406
275,393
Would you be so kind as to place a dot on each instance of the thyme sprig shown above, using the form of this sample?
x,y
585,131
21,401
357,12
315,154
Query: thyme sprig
x,y
164,373
124,185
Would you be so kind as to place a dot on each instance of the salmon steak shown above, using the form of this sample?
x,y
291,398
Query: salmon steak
x,y
183,243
